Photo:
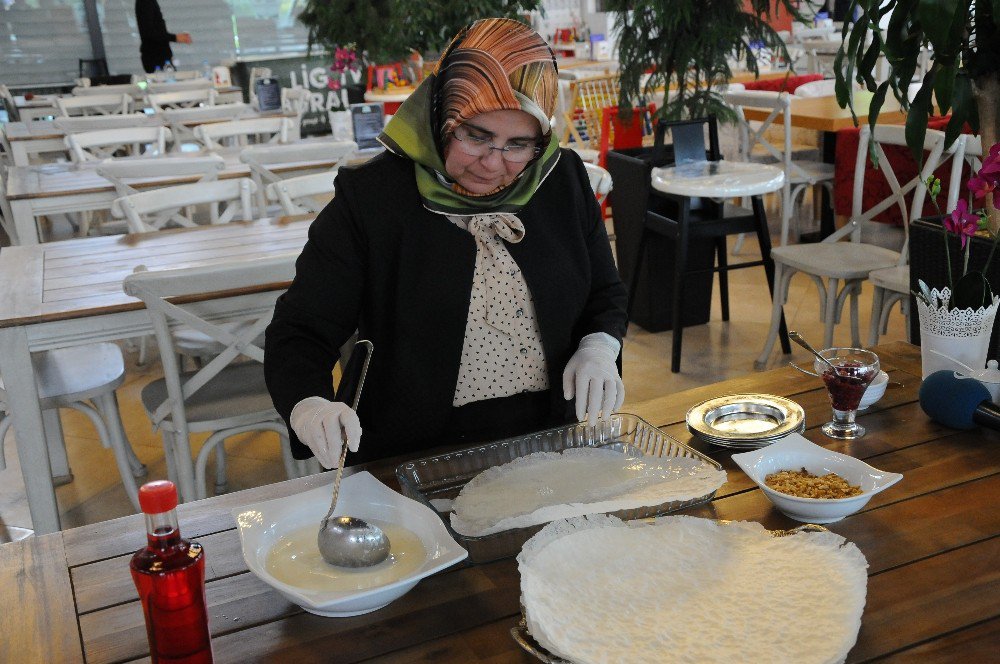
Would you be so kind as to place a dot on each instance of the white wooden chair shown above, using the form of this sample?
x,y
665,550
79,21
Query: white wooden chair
x,y
303,194
181,83
85,379
295,100
181,98
272,130
600,181
799,174
266,161
153,210
7,103
122,172
892,284
839,268
129,89
106,104
106,143
75,125
223,397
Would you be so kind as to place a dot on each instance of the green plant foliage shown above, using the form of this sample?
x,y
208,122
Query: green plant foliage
x,y
687,45
387,30
964,36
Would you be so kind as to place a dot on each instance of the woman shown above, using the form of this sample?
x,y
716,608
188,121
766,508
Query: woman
x,y
472,254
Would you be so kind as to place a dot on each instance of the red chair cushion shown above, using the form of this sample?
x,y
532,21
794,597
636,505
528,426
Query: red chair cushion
x,y
876,187
789,84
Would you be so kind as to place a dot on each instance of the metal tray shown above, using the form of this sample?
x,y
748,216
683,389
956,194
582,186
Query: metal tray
x,y
442,477
745,421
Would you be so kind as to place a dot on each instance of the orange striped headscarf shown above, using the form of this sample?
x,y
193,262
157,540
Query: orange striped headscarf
x,y
493,65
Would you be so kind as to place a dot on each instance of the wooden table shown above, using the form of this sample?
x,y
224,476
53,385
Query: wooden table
x,y
932,544
34,191
824,114
69,293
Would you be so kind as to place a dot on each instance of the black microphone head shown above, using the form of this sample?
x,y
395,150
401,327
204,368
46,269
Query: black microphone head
x,y
951,400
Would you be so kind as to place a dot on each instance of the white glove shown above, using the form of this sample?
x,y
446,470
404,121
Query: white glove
x,y
592,377
323,426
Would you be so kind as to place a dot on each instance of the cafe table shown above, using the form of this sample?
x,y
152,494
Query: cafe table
x,y
38,190
69,293
42,136
932,543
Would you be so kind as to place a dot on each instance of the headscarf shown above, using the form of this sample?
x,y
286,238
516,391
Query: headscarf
x,y
494,64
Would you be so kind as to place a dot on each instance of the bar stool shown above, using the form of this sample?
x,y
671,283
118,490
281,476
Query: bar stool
x,y
686,191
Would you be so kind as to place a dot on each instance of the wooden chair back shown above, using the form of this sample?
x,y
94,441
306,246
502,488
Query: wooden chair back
x,y
299,195
181,98
215,135
107,143
103,104
124,172
153,210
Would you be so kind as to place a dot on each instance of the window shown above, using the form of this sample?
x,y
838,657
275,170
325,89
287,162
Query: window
x,y
42,41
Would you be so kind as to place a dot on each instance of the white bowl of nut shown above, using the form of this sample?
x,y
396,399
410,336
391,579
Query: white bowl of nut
x,y
840,485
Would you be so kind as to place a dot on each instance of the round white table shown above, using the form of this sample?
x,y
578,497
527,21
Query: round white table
x,y
718,179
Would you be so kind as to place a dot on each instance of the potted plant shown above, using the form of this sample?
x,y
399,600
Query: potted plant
x,y
687,46
964,73
956,321
389,30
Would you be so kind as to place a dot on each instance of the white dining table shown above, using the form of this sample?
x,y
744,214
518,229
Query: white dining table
x,y
38,190
69,293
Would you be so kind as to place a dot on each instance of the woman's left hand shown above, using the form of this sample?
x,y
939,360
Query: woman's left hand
x,y
591,376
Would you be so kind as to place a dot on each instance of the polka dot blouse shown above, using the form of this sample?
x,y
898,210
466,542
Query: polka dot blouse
x,y
502,353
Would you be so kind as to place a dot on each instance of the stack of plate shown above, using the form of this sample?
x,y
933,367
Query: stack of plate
x,y
745,421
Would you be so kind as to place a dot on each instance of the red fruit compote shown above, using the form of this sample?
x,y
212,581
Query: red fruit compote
x,y
848,384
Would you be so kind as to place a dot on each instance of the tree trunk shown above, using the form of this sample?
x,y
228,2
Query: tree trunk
x,y
987,88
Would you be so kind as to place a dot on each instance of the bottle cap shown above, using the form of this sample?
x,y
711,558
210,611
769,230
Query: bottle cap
x,y
158,497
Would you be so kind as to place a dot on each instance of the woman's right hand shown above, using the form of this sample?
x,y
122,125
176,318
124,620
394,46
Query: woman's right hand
x,y
323,426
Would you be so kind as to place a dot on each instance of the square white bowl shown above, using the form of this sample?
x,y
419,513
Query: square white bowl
x,y
795,452
361,495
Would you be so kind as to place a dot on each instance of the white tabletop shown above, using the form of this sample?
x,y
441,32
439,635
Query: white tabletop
x,y
718,179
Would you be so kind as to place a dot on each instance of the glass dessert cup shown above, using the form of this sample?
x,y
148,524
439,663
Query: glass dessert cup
x,y
856,369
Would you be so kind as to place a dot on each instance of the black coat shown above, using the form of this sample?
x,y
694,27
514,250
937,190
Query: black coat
x,y
154,46
378,261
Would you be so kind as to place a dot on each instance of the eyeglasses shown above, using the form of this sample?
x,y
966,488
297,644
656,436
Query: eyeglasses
x,y
479,145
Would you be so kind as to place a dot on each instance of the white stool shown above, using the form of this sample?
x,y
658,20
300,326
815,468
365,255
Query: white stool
x,y
69,378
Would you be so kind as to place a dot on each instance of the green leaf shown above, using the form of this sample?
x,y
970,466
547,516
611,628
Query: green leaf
x,y
944,86
916,118
936,17
876,104
963,101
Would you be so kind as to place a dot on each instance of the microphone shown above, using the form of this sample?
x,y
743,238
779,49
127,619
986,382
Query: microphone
x,y
958,403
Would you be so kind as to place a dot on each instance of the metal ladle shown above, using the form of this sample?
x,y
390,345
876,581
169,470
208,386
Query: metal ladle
x,y
347,541
797,338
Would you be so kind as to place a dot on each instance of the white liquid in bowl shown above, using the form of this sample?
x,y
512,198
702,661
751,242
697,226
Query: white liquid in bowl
x,y
295,559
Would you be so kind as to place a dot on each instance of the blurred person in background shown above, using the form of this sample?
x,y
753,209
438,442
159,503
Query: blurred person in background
x,y
154,39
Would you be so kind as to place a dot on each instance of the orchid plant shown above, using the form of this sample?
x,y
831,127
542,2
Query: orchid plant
x,y
973,288
345,60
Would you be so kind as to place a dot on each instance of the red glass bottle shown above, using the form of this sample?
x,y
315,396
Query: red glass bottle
x,y
169,574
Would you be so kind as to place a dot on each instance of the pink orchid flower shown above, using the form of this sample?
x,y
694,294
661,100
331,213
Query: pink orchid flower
x,y
962,222
979,187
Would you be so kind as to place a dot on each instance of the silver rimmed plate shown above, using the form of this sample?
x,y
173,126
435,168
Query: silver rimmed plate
x,y
745,420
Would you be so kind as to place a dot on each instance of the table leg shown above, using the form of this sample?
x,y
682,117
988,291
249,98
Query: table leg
x,y
827,224
56,444
25,227
29,431
19,153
